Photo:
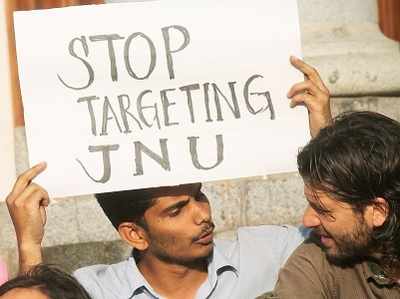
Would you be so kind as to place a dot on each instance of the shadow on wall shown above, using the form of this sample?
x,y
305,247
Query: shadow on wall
x,y
73,256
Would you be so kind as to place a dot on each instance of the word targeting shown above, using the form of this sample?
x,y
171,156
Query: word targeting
x,y
204,102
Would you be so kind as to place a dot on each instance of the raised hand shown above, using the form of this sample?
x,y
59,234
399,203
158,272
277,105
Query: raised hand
x,y
26,204
313,93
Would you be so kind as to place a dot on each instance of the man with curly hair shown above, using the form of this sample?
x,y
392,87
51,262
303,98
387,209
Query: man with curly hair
x,y
351,174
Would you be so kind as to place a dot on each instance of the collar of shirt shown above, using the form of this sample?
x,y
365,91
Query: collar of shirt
x,y
218,264
377,274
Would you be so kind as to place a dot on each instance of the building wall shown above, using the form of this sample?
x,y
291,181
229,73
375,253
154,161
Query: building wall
x,y
361,68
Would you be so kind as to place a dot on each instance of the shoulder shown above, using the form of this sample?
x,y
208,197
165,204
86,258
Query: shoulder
x,y
103,281
272,232
259,252
276,240
307,274
309,255
309,250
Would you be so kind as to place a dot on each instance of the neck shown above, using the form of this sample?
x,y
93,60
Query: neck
x,y
173,280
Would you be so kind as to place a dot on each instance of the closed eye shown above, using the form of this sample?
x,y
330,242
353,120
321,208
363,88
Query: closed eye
x,y
174,212
176,208
320,210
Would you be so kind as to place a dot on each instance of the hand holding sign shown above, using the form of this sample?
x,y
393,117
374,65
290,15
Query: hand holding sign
x,y
314,94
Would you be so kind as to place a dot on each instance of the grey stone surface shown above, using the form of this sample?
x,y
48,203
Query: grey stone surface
x,y
329,39
93,225
225,198
277,199
388,106
343,41
74,256
355,75
61,227
311,11
338,11
21,150
7,234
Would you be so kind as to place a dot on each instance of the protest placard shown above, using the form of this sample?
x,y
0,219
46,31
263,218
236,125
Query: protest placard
x,y
133,95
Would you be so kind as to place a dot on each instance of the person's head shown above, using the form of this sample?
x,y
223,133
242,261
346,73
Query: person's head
x,y
351,173
170,223
43,282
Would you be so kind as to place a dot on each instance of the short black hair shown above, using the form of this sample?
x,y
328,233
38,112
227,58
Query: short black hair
x,y
355,160
126,206
50,280
130,205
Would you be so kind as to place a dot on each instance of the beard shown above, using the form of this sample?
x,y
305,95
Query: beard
x,y
350,248
176,257
168,249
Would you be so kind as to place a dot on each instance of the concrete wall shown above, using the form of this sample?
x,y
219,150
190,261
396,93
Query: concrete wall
x,y
360,66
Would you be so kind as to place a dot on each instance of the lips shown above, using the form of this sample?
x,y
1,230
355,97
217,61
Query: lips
x,y
323,238
206,237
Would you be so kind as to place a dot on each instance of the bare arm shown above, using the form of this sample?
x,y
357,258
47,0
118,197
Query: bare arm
x,y
26,204
314,94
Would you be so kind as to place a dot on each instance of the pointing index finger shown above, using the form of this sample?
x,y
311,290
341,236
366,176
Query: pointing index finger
x,y
25,178
309,71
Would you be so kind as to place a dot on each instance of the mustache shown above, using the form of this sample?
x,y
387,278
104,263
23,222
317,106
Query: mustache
x,y
207,228
318,232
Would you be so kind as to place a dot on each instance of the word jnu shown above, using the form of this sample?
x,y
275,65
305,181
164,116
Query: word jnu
x,y
128,113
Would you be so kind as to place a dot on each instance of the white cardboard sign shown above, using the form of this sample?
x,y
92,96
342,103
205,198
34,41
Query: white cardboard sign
x,y
134,95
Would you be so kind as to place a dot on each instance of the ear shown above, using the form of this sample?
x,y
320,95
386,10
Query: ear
x,y
134,235
380,211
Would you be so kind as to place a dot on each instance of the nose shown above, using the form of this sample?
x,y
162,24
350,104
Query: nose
x,y
311,218
201,212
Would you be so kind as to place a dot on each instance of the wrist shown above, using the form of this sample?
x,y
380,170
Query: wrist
x,y
30,255
29,246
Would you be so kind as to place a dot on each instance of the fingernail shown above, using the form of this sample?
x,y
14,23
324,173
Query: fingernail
x,y
292,104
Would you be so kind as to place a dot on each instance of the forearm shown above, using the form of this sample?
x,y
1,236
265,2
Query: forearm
x,y
318,121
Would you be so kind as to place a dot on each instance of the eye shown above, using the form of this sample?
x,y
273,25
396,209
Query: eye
x,y
321,210
174,212
324,213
